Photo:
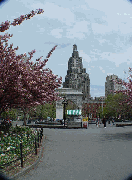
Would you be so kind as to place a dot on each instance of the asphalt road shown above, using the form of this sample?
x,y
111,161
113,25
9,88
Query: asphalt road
x,y
82,154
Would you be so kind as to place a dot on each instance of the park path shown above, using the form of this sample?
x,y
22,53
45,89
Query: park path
x,y
82,154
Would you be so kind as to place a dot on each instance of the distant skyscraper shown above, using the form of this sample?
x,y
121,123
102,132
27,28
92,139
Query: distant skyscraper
x,y
76,77
111,86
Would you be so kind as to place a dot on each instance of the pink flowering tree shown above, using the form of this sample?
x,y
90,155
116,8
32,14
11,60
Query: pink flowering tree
x,y
127,92
24,84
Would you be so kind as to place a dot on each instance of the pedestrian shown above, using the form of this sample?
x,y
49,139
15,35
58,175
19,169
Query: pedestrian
x,y
63,122
104,122
98,122
113,121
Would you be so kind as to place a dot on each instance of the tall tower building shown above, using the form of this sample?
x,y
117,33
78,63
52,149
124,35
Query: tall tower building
x,y
111,85
76,77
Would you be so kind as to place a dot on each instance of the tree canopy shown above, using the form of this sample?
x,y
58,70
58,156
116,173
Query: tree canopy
x,y
24,83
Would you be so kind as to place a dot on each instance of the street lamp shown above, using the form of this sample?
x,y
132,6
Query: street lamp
x,y
102,107
65,103
89,112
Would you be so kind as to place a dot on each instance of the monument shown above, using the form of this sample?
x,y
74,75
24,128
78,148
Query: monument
x,y
70,94
77,83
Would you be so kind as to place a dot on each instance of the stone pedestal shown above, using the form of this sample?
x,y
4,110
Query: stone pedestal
x,y
59,110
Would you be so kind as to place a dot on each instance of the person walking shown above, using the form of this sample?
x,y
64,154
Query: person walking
x,y
113,121
63,122
98,121
104,122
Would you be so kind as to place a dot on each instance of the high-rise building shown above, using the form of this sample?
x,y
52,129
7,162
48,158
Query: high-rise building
x,y
76,77
111,85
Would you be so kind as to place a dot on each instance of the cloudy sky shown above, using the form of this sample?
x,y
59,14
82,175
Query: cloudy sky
x,y
101,29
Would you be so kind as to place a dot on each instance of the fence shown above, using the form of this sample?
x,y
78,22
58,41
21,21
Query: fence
x,y
36,143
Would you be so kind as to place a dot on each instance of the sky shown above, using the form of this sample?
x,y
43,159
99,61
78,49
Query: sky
x,y
101,29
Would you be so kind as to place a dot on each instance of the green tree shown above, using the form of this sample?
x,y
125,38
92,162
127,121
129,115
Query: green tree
x,y
10,113
115,106
43,111
102,112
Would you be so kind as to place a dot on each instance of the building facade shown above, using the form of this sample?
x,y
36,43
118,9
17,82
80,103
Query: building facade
x,y
91,107
111,85
76,77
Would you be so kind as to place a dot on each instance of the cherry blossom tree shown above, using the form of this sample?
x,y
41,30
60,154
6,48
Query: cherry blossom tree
x,y
127,88
23,83
127,92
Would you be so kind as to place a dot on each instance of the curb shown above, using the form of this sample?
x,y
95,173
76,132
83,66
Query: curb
x,y
25,170
121,125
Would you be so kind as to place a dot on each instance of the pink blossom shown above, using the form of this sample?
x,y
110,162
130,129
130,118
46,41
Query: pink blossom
x,y
22,82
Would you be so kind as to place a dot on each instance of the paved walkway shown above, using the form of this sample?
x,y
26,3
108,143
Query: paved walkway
x,y
82,154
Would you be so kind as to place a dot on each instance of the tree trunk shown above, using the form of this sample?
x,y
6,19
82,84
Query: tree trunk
x,y
24,111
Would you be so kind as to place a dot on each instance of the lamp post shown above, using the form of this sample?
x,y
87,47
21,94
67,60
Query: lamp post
x,y
102,107
89,112
64,103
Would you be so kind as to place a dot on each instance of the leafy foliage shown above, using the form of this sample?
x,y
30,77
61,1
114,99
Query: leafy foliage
x,y
43,111
10,143
120,103
127,89
23,83
10,113
115,106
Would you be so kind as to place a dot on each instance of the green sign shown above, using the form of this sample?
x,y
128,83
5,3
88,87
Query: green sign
x,y
74,112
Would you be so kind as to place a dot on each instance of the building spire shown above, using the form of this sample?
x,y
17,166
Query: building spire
x,y
75,52
74,47
76,77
